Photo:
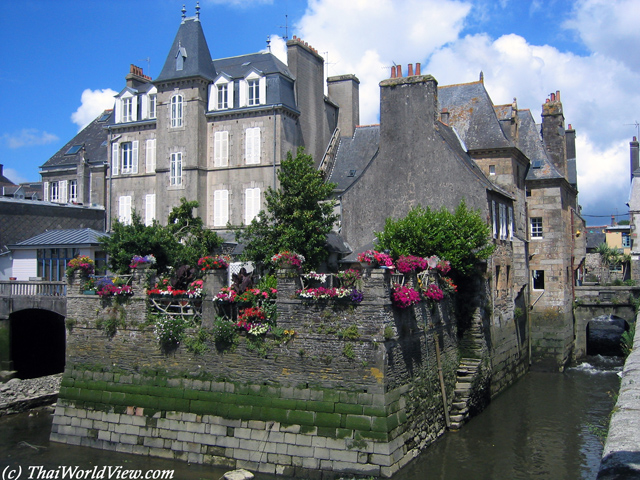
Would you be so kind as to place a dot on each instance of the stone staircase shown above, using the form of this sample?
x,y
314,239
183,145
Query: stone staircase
x,y
460,407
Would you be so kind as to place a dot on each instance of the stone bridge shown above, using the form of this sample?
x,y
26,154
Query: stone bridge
x,y
32,336
592,302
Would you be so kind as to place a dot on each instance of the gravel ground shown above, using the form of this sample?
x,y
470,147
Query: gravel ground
x,y
18,390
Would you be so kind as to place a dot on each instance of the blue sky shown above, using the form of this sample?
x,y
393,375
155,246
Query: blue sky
x,y
65,60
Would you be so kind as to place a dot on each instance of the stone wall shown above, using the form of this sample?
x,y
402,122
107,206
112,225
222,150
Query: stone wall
x,y
317,406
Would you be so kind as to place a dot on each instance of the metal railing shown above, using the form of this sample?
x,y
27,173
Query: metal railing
x,y
32,289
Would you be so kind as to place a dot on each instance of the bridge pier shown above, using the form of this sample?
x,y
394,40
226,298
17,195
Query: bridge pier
x,y
6,365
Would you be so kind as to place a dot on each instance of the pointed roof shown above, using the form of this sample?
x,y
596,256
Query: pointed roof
x,y
530,143
189,52
472,114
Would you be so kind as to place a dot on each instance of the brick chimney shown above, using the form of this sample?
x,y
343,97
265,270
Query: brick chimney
x,y
633,147
553,132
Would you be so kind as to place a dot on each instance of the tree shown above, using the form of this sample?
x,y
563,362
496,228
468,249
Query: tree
x,y
461,237
297,216
182,242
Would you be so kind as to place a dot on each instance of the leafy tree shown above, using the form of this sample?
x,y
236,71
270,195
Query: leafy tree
x,y
462,237
297,216
182,242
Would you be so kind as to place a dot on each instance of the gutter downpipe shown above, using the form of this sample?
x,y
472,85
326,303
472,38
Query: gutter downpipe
x,y
275,123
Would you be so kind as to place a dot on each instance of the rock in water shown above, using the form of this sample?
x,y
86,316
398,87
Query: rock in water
x,y
240,474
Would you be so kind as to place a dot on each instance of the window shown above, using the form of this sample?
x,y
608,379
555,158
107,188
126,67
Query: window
x,y
73,191
223,96
251,204
537,277
176,111
503,221
149,209
497,284
510,220
494,220
221,149
127,109
254,92
150,166
220,208
176,169
124,158
55,192
626,240
52,262
153,103
124,210
492,169
536,227
73,150
252,145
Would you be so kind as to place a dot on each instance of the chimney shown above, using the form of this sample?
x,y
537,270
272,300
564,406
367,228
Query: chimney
x,y
613,220
410,73
635,161
345,91
553,133
444,116
399,71
393,71
417,69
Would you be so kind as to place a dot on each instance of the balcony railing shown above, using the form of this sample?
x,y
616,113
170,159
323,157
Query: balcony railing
x,y
14,288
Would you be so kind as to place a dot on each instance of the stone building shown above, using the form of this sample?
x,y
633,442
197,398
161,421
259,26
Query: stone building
x,y
214,131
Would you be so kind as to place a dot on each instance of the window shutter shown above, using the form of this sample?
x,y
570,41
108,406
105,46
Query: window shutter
x,y
243,93
134,155
252,145
46,191
510,215
213,97
144,106
115,170
150,209
134,108
220,208
124,209
252,204
118,112
493,219
263,90
221,149
151,155
63,191
230,94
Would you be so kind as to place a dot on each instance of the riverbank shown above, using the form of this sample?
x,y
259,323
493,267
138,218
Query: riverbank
x,y
18,395
621,455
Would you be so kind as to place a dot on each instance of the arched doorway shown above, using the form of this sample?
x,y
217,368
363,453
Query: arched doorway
x,y
604,335
38,343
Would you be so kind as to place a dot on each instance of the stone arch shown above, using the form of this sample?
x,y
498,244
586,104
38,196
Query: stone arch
x,y
37,342
604,334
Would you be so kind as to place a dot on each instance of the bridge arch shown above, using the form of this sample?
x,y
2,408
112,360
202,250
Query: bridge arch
x,y
604,335
37,342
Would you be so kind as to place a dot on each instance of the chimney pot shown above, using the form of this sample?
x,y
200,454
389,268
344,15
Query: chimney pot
x,y
570,127
558,95
410,73
417,69
399,71
393,71
635,139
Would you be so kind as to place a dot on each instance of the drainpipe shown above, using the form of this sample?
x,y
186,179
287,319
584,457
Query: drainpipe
x,y
275,123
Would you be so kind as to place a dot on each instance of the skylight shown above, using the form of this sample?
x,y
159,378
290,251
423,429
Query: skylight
x,y
73,150
105,116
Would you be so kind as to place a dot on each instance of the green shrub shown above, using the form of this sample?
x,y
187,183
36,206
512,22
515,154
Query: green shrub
x,y
170,331
224,331
349,333
348,351
626,341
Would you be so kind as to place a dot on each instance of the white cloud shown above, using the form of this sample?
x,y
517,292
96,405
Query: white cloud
x,y
28,137
241,3
278,48
93,103
609,27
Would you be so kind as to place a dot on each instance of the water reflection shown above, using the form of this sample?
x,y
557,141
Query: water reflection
x,y
543,427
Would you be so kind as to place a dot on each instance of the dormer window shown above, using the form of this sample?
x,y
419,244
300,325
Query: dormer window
x,y
181,55
221,94
253,90
127,107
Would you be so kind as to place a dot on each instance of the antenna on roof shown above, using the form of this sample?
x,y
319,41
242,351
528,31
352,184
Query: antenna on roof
x,y
286,27
148,60
269,43
198,11
184,12
637,125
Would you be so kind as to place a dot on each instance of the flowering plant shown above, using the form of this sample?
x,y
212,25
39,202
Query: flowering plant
x,y
373,258
214,263
411,263
194,290
111,290
287,259
434,293
81,263
448,286
322,293
138,260
403,296
252,320
349,278
444,266
318,277
169,331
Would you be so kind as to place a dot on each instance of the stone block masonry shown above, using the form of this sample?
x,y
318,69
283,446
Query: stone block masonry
x,y
300,408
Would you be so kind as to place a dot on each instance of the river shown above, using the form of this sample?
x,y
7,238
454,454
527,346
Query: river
x,y
546,426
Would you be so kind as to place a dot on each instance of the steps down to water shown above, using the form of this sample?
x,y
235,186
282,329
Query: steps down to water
x,y
460,407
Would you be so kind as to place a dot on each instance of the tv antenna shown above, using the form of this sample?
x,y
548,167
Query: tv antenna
x,y
148,60
637,125
286,27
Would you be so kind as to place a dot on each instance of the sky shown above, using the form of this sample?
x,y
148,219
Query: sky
x,y
67,59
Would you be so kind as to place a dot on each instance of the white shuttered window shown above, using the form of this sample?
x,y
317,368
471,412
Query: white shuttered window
x,y
124,209
251,204
220,208
149,208
252,145
221,149
150,166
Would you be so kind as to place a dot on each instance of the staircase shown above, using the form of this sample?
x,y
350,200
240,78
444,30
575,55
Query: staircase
x,y
460,407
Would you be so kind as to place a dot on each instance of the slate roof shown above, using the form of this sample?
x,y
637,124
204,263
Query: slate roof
x,y
93,137
595,236
353,155
4,181
530,143
190,41
62,238
241,66
472,114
